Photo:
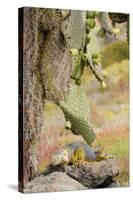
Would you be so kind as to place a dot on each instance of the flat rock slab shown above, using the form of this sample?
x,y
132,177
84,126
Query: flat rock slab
x,y
53,182
94,174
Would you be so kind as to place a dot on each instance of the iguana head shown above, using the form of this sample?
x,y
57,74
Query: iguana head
x,y
60,157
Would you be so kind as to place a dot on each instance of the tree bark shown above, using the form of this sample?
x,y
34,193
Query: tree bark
x,y
45,38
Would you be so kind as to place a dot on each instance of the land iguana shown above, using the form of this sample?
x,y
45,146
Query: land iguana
x,y
77,152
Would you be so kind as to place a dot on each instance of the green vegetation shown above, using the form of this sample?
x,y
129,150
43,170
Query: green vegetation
x,y
116,142
115,52
120,149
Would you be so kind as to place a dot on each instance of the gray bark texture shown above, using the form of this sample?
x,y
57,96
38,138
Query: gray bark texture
x,y
45,37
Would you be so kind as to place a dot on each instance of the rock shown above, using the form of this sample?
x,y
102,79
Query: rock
x,y
94,174
53,182
113,184
86,175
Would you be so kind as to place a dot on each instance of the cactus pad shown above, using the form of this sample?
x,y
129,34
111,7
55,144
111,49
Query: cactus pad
x,y
76,110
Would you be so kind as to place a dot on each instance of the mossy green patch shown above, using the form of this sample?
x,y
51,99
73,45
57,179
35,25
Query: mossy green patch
x,y
120,149
115,52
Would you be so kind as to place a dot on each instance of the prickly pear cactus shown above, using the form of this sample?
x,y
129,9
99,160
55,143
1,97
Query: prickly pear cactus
x,y
90,55
120,18
77,65
93,54
106,24
76,111
75,106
